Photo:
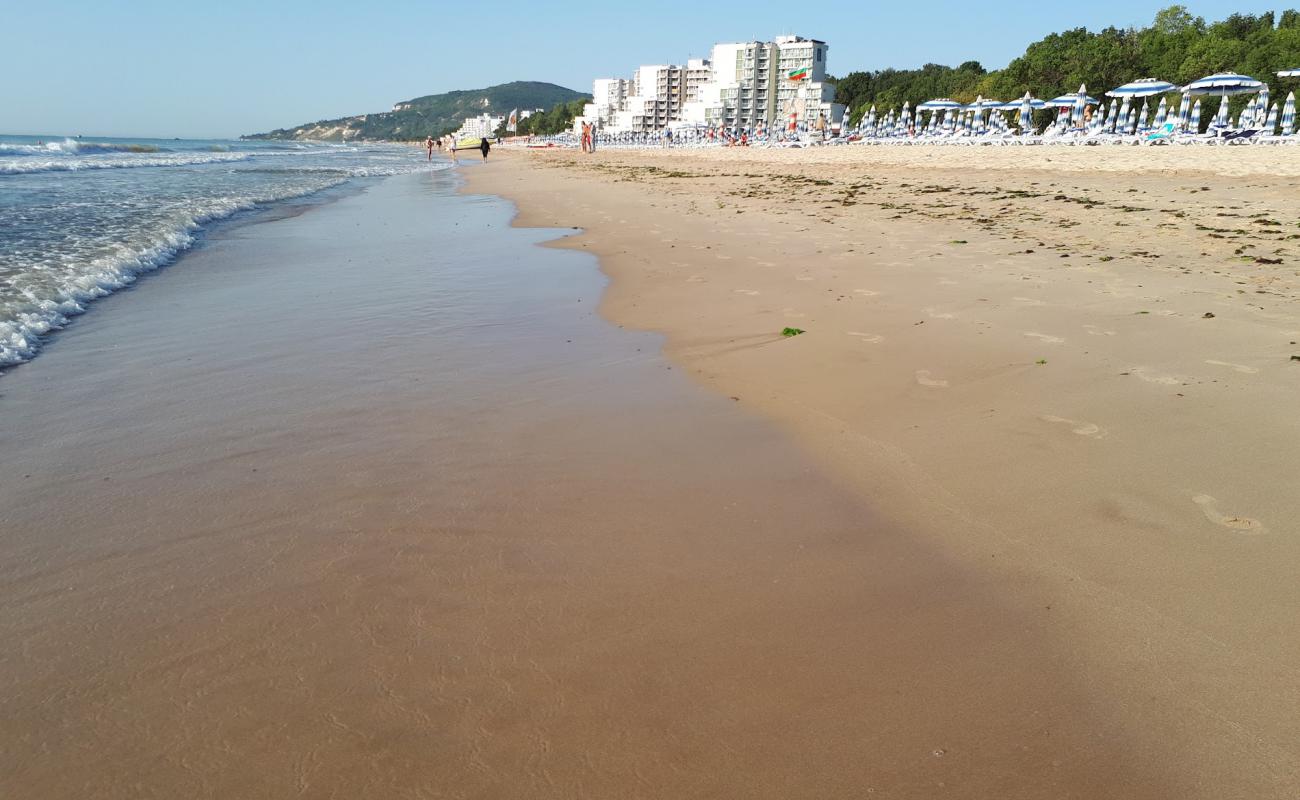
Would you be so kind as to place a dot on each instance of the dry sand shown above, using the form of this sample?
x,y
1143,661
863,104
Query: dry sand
x,y
1066,372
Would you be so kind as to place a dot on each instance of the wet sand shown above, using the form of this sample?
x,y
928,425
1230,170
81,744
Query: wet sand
x,y
369,502
1067,371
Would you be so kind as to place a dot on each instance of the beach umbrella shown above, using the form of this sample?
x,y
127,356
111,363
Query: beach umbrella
x,y
1221,118
1289,73
1080,103
1194,125
1112,116
1144,87
1270,124
906,117
1246,119
1026,115
1067,101
1224,84
939,104
1261,108
1184,109
1288,114
1144,117
1162,111
1125,109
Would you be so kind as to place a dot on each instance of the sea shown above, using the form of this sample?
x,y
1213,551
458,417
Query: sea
x,y
83,217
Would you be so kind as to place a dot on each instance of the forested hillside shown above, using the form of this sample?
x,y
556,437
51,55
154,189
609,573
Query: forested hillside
x,y
431,115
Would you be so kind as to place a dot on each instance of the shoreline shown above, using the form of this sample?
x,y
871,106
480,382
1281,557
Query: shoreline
x,y
1131,485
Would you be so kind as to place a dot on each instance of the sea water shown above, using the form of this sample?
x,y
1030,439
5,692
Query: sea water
x,y
80,218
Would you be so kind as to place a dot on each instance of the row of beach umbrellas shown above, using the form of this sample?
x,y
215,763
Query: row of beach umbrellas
x,y
1120,116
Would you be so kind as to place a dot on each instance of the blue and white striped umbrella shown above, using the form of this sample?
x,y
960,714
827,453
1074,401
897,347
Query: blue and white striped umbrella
x,y
1184,109
1068,101
1027,115
1194,124
1247,115
905,119
1261,108
1112,116
1162,111
1142,88
938,104
1221,118
1270,124
1144,118
1289,73
1014,105
1224,84
1288,114
1080,103
1125,110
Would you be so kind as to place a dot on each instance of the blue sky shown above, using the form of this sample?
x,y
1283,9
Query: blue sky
x,y
143,68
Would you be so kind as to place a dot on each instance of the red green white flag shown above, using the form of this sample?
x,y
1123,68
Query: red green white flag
x,y
798,74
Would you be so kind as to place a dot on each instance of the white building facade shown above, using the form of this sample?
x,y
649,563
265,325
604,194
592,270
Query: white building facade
x,y
484,125
748,85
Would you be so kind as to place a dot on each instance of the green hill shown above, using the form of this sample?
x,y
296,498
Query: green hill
x,y
1178,47
431,115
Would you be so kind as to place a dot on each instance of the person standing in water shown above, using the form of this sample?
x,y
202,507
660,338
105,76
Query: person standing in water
x,y
484,146
428,145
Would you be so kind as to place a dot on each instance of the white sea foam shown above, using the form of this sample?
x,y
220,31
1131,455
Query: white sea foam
x,y
119,160
33,312
70,240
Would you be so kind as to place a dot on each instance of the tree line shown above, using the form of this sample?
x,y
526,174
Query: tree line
x,y
1178,47
556,119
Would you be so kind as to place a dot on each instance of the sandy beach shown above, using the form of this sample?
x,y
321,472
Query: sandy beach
x,y
1066,372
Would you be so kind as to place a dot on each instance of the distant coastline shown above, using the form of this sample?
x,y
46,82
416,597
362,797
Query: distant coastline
x,y
431,115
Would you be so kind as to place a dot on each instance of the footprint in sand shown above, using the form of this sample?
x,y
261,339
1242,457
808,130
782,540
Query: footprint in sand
x,y
1043,337
1238,367
750,292
923,378
1081,428
938,314
869,338
1149,377
1210,507
866,292
1093,330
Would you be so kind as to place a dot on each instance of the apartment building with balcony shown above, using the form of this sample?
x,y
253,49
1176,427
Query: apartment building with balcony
x,y
742,85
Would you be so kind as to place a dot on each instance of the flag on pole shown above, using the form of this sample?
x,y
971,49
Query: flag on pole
x,y
798,74
512,125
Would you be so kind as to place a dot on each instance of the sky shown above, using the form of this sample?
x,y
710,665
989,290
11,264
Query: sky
x,y
221,69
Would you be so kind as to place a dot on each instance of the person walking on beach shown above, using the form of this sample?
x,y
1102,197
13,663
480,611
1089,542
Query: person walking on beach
x,y
484,147
428,145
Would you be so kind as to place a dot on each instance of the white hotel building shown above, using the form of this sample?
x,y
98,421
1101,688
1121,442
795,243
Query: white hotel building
x,y
745,85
